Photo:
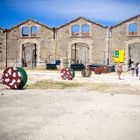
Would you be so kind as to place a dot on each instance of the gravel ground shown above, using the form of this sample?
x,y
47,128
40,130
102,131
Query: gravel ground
x,y
72,114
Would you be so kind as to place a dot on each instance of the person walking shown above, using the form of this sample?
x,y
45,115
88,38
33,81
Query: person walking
x,y
138,71
133,68
119,69
136,68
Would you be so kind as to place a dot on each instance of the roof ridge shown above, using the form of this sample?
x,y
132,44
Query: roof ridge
x,y
71,21
2,28
30,19
125,21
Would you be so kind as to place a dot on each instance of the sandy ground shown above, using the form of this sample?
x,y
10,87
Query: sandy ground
x,y
71,114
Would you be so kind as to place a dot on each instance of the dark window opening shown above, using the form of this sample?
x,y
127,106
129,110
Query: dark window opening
x,y
74,53
25,31
133,29
1,32
34,30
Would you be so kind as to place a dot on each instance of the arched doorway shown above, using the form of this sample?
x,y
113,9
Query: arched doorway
x,y
29,55
134,52
80,53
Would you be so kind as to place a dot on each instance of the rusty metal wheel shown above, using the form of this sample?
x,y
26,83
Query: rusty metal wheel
x,y
105,69
97,70
86,72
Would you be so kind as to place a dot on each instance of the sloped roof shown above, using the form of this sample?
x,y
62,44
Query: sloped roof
x,y
2,28
79,19
127,20
32,21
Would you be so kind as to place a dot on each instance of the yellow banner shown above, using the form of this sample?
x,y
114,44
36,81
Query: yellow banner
x,y
119,56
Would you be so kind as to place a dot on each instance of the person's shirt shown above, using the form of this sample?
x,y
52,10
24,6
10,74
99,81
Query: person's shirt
x,y
133,65
138,67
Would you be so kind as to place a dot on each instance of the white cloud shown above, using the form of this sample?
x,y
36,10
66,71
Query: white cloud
x,y
107,10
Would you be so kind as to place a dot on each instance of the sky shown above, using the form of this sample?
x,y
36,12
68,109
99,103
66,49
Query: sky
x,y
55,13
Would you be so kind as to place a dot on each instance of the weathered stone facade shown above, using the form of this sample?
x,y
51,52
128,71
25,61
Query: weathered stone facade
x,y
42,39
123,38
33,44
94,41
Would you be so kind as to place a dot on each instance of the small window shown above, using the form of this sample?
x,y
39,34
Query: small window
x,y
110,33
25,31
1,31
133,29
75,29
34,30
85,28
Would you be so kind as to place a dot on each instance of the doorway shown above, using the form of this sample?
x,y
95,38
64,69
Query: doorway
x,y
134,52
79,53
29,55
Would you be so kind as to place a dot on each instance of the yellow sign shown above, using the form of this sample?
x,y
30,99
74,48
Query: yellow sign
x,y
119,56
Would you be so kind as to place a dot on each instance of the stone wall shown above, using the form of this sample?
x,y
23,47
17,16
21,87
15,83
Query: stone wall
x,y
94,46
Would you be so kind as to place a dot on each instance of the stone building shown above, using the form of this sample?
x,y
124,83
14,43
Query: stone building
x,y
81,41
33,44
29,44
126,36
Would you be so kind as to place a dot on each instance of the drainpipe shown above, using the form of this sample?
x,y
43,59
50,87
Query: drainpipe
x,y
75,52
35,55
108,46
54,33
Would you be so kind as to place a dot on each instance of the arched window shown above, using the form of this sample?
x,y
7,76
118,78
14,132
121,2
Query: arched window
x,y
85,28
34,30
25,31
133,29
75,29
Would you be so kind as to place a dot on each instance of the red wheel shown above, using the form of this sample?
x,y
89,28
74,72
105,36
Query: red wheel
x,y
11,78
66,73
97,70
105,69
